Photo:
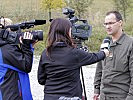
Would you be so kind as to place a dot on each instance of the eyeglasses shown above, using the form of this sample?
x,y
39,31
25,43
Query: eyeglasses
x,y
109,23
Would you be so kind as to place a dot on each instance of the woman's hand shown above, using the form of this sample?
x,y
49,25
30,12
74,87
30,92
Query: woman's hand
x,y
96,97
106,51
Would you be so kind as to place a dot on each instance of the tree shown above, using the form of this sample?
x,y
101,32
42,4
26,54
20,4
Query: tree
x,y
123,6
52,4
79,5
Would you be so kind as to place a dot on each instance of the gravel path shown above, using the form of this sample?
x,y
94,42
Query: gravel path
x,y
37,90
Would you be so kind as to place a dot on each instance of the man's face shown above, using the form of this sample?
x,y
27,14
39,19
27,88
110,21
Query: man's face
x,y
112,26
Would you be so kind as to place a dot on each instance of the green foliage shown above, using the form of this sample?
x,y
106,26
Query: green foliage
x,y
80,6
96,38
128,28
21,10
52,4
93,10
123,6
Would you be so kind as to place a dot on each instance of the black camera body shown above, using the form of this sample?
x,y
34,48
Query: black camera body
x,y
13,35
80,28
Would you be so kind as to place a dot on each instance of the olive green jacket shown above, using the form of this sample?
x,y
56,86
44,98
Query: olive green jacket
x,y
114,75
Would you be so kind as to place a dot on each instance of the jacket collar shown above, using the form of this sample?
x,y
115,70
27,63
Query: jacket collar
x,y
59,44
119,41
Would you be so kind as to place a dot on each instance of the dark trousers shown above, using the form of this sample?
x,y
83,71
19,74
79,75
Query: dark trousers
x,y
104,97
55,97
51,97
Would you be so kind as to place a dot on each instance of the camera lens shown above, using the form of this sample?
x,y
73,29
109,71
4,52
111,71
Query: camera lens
x,y
37,35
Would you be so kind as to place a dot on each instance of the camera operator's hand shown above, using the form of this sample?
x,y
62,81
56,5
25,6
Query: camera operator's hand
x,y
27,38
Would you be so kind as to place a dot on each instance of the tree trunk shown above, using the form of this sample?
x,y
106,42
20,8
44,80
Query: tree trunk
x,y
49,13
124,14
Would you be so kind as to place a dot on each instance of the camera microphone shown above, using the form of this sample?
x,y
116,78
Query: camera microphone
x,y
39,22
26,25
106,43
34,22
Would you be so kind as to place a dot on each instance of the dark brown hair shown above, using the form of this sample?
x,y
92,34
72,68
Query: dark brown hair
x,y
116,13
59,32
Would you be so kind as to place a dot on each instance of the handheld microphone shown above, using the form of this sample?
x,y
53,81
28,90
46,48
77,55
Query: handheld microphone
x,y
106,43
26,25
39,22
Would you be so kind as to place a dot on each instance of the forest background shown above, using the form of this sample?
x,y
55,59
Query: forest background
x,y
92,10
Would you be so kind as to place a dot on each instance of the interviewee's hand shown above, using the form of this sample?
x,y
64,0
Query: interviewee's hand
x,y
96,97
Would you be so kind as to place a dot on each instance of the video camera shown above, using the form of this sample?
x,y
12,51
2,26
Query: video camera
x,y
81,30
13,35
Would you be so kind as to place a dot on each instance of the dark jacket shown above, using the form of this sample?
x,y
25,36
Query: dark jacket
x,y
114,75
60,72
15,63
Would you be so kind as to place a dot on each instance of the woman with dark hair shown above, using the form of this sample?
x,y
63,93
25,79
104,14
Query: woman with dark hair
x,y
60,63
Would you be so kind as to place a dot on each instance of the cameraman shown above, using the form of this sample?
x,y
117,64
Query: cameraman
x,y
60,63
15,63
5,21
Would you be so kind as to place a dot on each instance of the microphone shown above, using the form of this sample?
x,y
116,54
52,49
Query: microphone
x,y
35,22
24,25
106,43
39,22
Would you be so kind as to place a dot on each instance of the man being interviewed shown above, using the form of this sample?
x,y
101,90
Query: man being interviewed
x,y
114,75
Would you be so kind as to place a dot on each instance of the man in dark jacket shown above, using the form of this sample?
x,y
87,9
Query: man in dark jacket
x,y
114,75
15,63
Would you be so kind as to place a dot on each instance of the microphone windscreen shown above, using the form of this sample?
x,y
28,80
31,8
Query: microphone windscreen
x,y
40,22
106,43
107,40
